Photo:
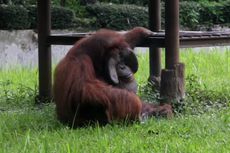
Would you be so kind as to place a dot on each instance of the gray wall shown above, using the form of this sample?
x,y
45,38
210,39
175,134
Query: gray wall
x,y
20,48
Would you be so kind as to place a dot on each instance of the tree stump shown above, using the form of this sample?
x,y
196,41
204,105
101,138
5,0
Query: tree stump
x,y
172,88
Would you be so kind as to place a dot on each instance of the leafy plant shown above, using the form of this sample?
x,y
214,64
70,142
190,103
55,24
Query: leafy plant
x,y
13,95
148,92
199,99
62,18
13,17
189,14
119,17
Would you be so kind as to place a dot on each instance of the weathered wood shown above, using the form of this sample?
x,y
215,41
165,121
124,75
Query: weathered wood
x,y
172,87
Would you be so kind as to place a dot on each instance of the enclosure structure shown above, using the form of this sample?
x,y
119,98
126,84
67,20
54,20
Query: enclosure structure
x,y
170,79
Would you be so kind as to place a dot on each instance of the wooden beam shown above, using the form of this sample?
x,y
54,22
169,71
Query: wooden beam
x,y
171,33
187,39
172,77
44,51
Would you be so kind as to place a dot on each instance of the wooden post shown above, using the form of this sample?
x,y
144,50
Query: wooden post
x,y
155,53
44,51
172,84
172,32
172,78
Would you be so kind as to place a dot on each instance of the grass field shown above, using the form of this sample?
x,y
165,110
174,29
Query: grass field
x,y
203,125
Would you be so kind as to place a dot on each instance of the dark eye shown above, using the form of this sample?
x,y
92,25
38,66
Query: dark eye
x,y
121,66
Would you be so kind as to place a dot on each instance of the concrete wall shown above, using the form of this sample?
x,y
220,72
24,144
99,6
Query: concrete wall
x,y
20,48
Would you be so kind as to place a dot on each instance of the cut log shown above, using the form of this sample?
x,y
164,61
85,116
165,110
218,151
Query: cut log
x,y
172,84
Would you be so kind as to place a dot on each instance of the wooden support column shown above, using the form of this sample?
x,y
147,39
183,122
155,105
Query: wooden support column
x,y
172,84
155,53
172,78
44,51
171,32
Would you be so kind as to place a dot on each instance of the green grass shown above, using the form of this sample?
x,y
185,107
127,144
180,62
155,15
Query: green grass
x,y
36,131
25,127
212,67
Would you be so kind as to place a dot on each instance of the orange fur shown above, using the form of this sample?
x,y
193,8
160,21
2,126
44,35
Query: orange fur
x,y
81,92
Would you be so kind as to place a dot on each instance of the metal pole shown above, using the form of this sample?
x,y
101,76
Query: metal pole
x,y
172,32
155,25
44,50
